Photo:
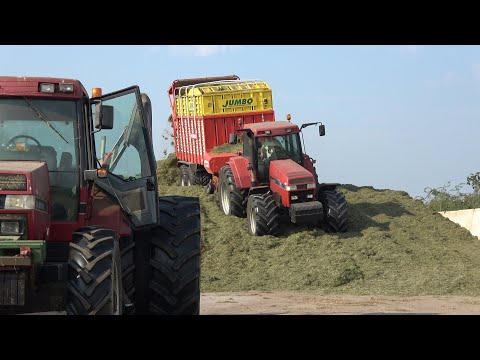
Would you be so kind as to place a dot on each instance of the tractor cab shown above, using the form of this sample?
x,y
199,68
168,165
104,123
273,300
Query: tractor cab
x,y
269,141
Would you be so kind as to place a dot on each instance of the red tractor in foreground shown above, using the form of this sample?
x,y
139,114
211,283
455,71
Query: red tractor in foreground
x,y
271,178
79,207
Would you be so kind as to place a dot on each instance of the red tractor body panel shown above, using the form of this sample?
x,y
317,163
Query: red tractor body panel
x,y
109,214
62,230
214,162
286,173
37,184
241,174
275,128
29,86
308,164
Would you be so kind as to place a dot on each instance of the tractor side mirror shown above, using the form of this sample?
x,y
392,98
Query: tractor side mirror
x,y
232,139
321,130
103,116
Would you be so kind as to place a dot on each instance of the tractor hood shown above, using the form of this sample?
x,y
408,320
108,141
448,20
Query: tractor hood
x,y
288,172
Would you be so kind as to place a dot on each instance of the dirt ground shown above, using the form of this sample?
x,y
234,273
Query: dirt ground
x,y
285,303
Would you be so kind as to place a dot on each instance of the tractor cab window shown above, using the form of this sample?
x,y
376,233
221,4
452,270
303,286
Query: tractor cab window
x,y
279,148
125,150
33,129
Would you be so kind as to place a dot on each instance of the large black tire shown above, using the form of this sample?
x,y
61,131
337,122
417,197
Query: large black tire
x,y
185,176
174,286
127,255
94,284
201,177
262,215
232,199
335,211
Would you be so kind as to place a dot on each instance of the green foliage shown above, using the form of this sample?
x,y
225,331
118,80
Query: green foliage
x,y
452,198
167,171
474,181
167,137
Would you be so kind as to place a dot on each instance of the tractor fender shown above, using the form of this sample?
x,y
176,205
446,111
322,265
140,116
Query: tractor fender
x,y
241,174
308,164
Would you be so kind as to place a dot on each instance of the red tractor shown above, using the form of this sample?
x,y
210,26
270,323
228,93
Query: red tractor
x,y
274,181
272,177
81,222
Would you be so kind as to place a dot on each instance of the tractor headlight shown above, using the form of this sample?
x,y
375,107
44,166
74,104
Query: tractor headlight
x,y
13,224
20,202
9,227
296,187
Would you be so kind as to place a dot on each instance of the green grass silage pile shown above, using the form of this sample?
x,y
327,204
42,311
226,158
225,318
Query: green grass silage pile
x,y
167,172
395,246
227,148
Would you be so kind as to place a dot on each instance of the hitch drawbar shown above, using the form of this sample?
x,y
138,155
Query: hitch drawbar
x,y
16,260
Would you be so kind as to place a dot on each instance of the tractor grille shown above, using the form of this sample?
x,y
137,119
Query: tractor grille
x,y
302,196
13,182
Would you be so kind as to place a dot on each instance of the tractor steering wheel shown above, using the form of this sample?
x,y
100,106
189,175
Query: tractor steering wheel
x,y
11,141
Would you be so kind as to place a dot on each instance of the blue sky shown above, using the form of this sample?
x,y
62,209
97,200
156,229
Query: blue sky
x,y
397,117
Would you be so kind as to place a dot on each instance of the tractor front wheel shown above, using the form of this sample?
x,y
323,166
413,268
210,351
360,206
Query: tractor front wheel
x,y
262,215
94,284
335,211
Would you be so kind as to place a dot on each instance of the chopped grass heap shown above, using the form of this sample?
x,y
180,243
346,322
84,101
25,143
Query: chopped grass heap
x,y
167,172
395,246
227,148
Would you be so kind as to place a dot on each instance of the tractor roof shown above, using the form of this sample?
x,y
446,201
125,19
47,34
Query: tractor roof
x,y
276,127
29,86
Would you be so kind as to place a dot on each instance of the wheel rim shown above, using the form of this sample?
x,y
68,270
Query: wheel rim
x,y
252,220
185,180
225,199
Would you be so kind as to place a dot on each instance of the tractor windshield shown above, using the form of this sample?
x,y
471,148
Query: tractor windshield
x,y
44,130
279,148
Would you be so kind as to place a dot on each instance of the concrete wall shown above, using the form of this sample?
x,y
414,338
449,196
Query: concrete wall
x,y
469,219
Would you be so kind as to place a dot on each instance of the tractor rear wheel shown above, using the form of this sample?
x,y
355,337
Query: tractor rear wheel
x,y
174,286
335,211
185,176
232,199
94,284
200,177
262,215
